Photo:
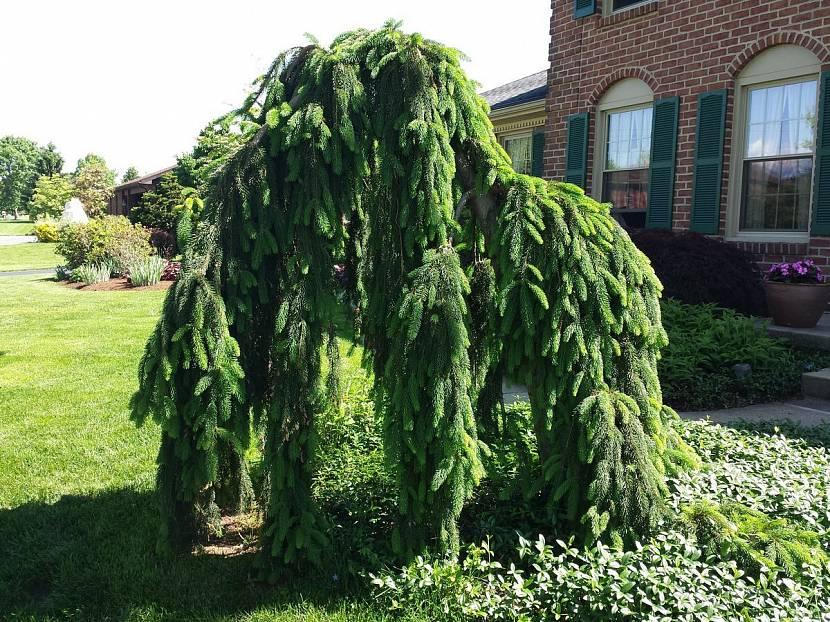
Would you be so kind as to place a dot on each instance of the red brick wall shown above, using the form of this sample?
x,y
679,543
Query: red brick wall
x,y
682,48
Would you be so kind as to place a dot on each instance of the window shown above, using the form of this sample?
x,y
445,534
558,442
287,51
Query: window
x,y
616,5
612,6
778,157
627,161
771,174
520,150
623,155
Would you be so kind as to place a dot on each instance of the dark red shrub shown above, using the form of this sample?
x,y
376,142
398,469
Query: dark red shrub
x,y
164,242
171,271
695,269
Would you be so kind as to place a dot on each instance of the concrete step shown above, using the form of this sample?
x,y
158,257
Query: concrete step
x,y
816,384
817,338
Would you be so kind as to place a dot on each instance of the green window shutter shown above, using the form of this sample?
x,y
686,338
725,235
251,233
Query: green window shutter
x,y
576,152
584,8
821,184
663,157
708,172
538,154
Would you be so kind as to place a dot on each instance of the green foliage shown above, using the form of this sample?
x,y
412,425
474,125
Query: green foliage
x,y
198,400
89,274
667,578
93,184
146,271
159,208
46,232
378,152
705,343
130,174
51,194
50,162
19,158
429,430
754,539
111,238
215,145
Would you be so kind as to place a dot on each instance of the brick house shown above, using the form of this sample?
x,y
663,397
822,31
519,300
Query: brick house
x,y
707,115
127,195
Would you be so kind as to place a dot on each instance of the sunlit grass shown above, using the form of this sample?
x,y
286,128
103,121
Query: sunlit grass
x,y
30,256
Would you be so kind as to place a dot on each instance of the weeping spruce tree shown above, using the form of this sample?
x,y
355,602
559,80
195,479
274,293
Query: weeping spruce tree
x,y
377,152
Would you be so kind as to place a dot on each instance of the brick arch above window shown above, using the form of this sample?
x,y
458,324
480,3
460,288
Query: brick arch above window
x,y
783,37
621,74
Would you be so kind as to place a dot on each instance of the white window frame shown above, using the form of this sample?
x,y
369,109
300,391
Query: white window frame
x,y
518,134
629,94
608,6
780,72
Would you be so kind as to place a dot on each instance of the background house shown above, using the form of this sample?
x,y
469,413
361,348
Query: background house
x,y
127,195
517,110
705,115
709,115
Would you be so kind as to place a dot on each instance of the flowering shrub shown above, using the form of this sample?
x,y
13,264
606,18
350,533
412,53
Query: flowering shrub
x,y
171,271
107,239
804,271
46,232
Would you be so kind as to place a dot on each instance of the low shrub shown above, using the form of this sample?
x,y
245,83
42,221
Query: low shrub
x,y
63,273
705,343
695,269
764,486
110,238
46,232
147,271
92,273
667,578
171,271
163,242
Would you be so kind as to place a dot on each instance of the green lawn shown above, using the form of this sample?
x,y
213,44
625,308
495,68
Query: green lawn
x,y
28,256
16,227
77,512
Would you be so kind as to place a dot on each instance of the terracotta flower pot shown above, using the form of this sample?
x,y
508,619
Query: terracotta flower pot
x,y
799,305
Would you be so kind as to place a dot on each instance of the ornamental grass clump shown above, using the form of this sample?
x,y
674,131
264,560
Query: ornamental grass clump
x,y
89,274
148,271
804,271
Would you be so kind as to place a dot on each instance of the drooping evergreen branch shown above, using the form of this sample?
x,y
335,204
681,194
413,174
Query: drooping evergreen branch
x,y
429,430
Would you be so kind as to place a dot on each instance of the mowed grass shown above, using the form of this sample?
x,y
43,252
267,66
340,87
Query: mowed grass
x,y
78,520
16,227
30,256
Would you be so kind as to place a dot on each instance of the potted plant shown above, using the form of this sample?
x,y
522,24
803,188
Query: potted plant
x,y
797,293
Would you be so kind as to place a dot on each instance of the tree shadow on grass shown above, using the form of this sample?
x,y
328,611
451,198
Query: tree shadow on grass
x,y
94,557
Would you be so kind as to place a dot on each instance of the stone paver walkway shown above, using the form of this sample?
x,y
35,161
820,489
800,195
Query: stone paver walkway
x,y
807,412
9,240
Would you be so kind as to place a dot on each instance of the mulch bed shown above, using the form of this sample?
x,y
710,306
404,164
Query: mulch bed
x,y
117,285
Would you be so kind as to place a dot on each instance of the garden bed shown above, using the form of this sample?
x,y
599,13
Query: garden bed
x,y
117,285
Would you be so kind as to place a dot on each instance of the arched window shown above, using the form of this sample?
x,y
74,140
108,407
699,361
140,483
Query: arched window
x,y
623,150
773,146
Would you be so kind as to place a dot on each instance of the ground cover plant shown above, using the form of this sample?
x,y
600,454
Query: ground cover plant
x,y
697,368
78,523
29,256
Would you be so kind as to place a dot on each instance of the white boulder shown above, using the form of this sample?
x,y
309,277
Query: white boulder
x,y
73,212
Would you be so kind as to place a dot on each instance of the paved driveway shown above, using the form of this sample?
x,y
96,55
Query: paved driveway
x,y
8,240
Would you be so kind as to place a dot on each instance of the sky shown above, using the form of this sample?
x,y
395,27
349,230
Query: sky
x,y
136,81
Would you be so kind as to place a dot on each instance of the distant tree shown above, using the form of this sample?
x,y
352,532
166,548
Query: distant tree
x,y
216,143
50,195
130,174
159,207
93,181
50,162
19,159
